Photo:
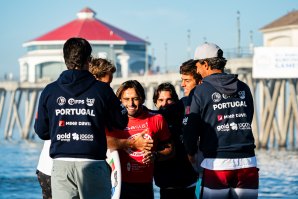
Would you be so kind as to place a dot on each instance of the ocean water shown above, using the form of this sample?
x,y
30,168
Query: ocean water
x,y
18,160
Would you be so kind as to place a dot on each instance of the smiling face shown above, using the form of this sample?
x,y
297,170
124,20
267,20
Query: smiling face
x,y
132,102
188,82
164,99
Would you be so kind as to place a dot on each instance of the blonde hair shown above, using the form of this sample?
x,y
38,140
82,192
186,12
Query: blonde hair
x,y
100,67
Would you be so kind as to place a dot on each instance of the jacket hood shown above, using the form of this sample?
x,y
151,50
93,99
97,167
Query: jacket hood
x,y
75,82
224,83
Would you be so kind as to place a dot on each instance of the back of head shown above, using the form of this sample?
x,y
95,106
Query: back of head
x,y
100,67
165,87
189,68
132,84
77,52
212,54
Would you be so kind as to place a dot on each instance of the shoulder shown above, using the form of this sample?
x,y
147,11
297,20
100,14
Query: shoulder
x,y
154,118
101,85
154,115
51,86
49,89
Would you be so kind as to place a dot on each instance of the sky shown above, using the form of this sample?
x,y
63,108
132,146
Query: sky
x,y
173,27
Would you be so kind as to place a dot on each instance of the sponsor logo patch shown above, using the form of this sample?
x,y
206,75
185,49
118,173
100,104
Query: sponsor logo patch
x,y
216,97
75,136
72,101
223,127
76,123
241,94
233,126
61,101
67,137
244,126
90,102
61,123
231,116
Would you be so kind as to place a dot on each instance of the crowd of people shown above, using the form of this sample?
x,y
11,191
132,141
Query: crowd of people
x,y
204,137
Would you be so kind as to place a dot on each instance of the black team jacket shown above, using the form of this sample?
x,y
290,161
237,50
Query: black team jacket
x,y
176,172
73,112
220,113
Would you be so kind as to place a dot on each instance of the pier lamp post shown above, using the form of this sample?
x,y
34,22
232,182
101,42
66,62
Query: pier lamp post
x,y
238,28
166,57
188,44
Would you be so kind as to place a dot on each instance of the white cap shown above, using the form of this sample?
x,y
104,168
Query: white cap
x,y
207,50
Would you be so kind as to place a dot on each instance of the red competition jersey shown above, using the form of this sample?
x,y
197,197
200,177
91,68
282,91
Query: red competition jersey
x,y
132,168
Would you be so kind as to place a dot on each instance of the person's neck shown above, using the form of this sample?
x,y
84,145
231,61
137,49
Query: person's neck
x,y
215,71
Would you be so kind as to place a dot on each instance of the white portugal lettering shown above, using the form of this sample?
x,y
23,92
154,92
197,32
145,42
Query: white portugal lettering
x,y
229,105
74,111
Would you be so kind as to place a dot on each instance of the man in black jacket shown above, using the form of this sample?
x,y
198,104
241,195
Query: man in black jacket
x,y
220,116
73,112
175,176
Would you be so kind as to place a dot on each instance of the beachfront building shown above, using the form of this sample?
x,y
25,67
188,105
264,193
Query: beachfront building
x,y
280,35
278,57
44,58
282,32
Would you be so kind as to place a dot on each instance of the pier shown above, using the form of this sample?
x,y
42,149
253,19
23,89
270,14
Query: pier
x,y
275,119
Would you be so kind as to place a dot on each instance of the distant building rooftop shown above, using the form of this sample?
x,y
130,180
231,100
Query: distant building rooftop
x,y
287,20
90,28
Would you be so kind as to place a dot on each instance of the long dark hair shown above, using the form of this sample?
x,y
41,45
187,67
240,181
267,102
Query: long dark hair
x,y
165,87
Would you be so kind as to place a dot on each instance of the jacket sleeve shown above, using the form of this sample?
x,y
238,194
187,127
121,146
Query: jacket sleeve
x,y
117,113
41,125
191,125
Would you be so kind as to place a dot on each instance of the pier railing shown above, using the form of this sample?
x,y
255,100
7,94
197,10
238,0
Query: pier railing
x,y
275,119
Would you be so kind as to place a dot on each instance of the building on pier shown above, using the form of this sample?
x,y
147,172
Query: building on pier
x,y
44,58
280,35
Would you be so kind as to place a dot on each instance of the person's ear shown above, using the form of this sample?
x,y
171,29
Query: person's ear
x,y
205,64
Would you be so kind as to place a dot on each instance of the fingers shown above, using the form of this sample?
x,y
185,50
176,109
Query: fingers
x,y
148,145
149,142
142,143
148,157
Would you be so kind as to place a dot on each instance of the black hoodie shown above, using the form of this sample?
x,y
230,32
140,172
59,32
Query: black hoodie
x,y
220,113
74,111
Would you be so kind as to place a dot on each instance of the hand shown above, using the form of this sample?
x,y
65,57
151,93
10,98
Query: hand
x,y
141,143
148,157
